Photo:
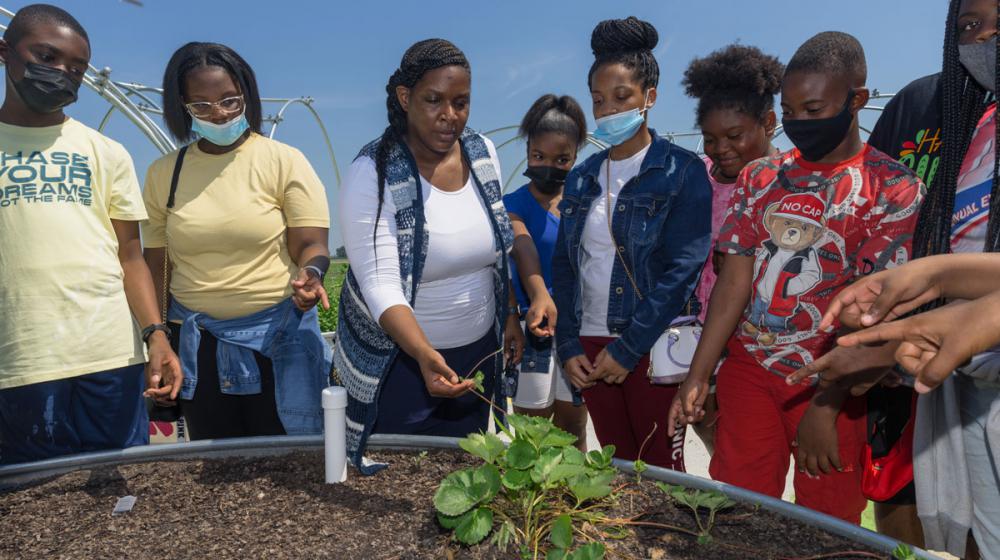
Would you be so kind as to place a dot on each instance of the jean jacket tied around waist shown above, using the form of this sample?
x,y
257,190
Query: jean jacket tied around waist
x,y
663,221
284,334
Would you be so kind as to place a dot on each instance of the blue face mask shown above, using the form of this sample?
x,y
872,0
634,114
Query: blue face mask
x,y
224,134
620,127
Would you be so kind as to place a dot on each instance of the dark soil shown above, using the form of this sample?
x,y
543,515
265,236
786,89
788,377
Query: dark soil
x,y
279,507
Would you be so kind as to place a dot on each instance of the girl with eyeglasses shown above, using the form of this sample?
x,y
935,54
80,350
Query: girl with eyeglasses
x,y
237,243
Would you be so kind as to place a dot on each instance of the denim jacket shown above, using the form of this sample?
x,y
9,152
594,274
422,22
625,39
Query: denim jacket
x,y
292,341
663,220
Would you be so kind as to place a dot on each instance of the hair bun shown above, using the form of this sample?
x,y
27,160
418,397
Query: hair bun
x,y
631,34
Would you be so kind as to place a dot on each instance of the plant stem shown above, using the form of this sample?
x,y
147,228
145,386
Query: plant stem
x,y
476,367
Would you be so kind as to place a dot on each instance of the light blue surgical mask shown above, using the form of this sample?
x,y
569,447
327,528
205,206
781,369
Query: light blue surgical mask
x,y
620,127
224,134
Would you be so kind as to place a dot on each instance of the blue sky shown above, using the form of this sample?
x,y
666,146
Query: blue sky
x,y
341,53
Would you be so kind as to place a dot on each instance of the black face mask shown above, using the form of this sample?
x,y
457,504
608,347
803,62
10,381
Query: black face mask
x,y
815,138
547,179
45,89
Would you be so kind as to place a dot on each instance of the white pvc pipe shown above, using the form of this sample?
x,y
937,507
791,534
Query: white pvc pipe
x,y
335,433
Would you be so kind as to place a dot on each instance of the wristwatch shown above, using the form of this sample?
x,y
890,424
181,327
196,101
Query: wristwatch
x,y
148,331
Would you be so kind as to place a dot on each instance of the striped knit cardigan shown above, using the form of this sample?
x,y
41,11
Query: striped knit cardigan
x,y
364,352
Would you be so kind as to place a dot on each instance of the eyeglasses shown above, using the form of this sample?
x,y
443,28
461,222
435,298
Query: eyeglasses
x,y
228,106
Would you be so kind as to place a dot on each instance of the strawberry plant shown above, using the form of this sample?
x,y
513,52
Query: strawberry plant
x,y
714,502
539,486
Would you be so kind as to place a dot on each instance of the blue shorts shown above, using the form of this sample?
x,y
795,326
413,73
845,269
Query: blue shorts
x,y
93,412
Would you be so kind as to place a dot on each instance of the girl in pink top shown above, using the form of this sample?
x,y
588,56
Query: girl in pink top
x,y
735,88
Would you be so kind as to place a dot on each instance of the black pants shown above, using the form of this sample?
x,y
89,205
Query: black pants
x,y
405,406
211,414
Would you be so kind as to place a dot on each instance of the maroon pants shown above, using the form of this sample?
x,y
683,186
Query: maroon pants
x,y
625,415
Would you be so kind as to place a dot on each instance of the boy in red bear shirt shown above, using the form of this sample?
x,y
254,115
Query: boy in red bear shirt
x,y
802,225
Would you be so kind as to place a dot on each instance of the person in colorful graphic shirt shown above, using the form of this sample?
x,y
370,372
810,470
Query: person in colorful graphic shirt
x,y
74,291
956,478
803,224
735,87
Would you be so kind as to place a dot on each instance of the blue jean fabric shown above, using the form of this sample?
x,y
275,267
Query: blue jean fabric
x,y
761,318
94,412
662,220
290,338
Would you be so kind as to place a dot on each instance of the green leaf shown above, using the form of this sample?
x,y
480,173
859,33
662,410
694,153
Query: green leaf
x,y
516,479
591,551
485,483
450,522
475,528
555,554
562,532
590,487
704,539
573,456
520,424
453,496
477,381
640,466
717,501
557,438
563,471
521,455
487,447
547,461
903,552
601,458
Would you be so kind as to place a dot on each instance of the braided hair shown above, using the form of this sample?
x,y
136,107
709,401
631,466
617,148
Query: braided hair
x,y
964,102
420,58
628,41
735,77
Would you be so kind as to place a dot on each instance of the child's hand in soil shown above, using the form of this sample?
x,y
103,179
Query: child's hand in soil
x,y
441,380
816,447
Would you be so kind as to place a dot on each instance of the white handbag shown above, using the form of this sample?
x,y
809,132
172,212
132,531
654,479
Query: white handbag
x,y
671,355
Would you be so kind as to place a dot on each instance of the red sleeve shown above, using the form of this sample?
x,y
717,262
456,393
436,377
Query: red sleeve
x,y
740,232
893,219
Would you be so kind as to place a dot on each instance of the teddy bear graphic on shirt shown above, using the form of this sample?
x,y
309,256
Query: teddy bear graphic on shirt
x,y
787,265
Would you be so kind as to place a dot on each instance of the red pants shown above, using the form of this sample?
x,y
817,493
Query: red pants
x,y
625,415
758,417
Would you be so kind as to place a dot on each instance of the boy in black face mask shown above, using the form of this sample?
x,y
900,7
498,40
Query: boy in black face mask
x,y
555,129
802,225
73,282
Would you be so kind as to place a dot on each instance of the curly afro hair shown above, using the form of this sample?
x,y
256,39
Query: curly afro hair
x,y
735,77
628,41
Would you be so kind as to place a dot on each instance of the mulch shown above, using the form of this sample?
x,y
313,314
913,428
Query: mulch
x,y
278,507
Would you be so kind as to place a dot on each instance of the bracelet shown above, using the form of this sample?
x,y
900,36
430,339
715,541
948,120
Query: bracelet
x,y
148,331
315,270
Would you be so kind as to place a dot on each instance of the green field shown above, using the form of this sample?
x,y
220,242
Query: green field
x,y
334,280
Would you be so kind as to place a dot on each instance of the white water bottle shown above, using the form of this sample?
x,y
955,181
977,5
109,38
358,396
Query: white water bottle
x,y
335,433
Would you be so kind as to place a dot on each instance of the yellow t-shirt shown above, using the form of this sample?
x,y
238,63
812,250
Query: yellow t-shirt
x,y
226,234
63,310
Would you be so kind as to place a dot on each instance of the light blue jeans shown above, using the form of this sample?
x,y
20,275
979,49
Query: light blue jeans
x,y
982,448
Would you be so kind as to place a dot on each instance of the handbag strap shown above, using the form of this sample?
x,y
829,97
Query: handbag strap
x,y
619,250
689,308
178,163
